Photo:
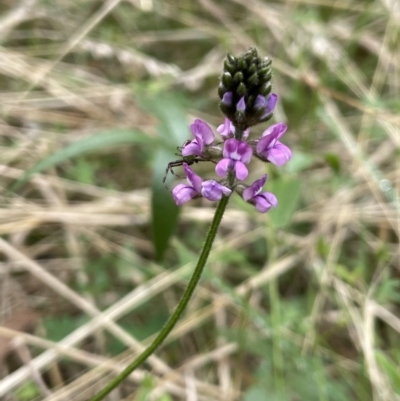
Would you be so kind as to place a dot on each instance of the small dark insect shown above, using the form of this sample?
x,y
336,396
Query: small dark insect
x,y
177,163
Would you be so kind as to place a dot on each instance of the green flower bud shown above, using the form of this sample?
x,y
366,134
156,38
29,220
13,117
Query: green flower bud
x,y
227,79
266,89
229,67
264,70
253,79
221,90
241,64
238,77
252,69
231,59
241,89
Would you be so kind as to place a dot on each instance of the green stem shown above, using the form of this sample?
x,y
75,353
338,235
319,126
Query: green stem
x,y
212,232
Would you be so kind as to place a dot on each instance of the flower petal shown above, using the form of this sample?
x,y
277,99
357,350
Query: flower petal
x,y
227,99
183,193
275,131
264,144
245,151
240,170
260,102
225,128
270,106
279,154
261,204
213,191
225,190
193,179
222,167
230,148
237,150
270,198
191,149
201,129
254,189
241,105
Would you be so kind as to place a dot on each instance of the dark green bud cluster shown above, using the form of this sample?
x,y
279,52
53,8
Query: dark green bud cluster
x,y
245,78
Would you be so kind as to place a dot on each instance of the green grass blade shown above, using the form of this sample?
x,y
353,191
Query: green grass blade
x,y
86,145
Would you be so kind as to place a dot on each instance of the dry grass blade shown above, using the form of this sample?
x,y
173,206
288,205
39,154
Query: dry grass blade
x,y
76,242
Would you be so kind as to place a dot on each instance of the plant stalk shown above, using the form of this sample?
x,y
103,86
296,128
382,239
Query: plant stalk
x,y
162,335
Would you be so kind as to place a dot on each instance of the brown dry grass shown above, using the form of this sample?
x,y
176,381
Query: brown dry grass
x,y
70,82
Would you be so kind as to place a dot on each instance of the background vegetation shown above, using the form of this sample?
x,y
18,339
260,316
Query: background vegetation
x,y
301,304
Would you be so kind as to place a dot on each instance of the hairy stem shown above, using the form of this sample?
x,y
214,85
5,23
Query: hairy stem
x,y
212,232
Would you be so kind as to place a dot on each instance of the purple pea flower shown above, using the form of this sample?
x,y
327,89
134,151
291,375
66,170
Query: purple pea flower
x,y
270,104
227,129
210,189
241,105
213,190
262,201
236,154
203,136
270,149
227,99
261,102
183,193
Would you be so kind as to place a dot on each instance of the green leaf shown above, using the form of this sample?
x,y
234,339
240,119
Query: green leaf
x,y
287,190
164,210
83,171
349,276
169,108
154,323
60,326
28,391
388,291
165,397
323,247
391,369
175,130
144,390
257,393
333,161
184,254
86,145
299,162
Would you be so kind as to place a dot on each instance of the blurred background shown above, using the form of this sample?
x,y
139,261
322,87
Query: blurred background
x,y
301,304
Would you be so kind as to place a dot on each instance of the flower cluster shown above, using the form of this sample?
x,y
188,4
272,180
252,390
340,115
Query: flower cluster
x,y
246,100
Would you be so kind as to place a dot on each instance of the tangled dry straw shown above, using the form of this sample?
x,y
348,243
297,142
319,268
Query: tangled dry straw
x,y
63,80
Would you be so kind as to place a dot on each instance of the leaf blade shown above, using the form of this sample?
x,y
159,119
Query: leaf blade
x,y
78,148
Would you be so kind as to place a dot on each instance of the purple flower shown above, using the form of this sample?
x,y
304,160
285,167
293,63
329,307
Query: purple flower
x,y
203,136
213,190
236,154
260,102
262,201
227,129
270,149
241,105
227,99
210,189
270,104
184,193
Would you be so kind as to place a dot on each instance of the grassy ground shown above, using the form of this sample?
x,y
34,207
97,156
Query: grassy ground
x,y
301,304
